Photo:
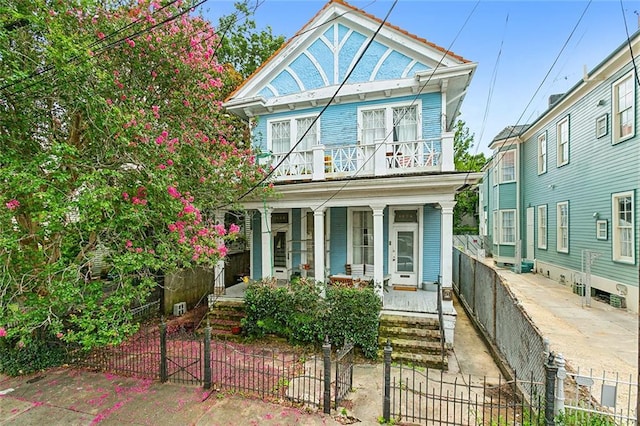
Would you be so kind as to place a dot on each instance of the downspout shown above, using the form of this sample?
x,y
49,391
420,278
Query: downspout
x,y
518,207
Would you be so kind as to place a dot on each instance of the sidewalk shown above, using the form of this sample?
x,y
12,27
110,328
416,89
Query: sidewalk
x,y
599,338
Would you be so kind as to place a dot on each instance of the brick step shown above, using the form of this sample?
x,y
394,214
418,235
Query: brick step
x,y
409,322
413,346
412,333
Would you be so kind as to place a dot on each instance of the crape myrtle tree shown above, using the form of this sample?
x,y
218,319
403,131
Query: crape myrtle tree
x,y
113,141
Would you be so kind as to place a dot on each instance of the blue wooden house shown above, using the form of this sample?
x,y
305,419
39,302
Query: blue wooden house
x,y
358,126
561,192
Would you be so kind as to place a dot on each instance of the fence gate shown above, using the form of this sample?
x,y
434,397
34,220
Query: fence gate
x,y
344,372
181,359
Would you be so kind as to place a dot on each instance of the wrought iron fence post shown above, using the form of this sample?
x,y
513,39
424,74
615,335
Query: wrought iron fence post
x,y
207,356
163,352
550,383
326,353
561,375
386,404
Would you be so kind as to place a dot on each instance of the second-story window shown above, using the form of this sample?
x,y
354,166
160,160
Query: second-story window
x,y
373,126
508,166
405,124
563,141
286,133
542,153
623,108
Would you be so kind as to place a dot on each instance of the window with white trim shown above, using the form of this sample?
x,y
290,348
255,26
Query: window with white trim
x,y
542,227
362,237
562,227
542,153
496,234
286,133
508,166
398,122
624,108
563,141
622,227
508,227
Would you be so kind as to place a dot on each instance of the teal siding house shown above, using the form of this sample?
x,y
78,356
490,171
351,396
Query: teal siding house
x,y
562,191
357,125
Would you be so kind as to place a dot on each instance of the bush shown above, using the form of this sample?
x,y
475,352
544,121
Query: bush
x,y
35,356
300,315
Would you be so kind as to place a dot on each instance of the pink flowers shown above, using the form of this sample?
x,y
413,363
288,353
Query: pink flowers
x,y
173,192
234,229
3,332
13,204
59,335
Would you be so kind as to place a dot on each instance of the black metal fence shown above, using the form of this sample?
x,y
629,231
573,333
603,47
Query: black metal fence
x,y
420,395
172,354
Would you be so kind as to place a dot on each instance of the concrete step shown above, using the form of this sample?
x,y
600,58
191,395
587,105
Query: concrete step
x,y
409,322
413,333
413,346
422,360
226,314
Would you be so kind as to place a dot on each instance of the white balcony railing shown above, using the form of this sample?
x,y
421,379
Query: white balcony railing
x,y
378,159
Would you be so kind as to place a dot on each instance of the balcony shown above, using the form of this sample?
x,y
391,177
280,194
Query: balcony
x,y
326,162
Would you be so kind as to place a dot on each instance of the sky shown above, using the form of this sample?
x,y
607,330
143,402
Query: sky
x,y
525,50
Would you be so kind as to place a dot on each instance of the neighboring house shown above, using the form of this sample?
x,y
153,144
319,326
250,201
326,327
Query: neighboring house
x,y
563,190
365,187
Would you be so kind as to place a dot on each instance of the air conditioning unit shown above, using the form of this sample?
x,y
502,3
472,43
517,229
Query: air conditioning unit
x,y
179,309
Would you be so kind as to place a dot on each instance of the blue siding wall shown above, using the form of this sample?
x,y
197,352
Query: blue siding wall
x,y
393,66
386,239
339,123
338,232
323,55
256,252
432,238
364,69
507,195
303,66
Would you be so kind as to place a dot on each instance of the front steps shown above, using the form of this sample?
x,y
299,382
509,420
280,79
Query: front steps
x,y
415,340
225,318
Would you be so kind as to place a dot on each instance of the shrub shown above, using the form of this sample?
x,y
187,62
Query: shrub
x,y
299,314
35,356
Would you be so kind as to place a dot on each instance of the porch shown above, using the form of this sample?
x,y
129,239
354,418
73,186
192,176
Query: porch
x,y
419,302
381,158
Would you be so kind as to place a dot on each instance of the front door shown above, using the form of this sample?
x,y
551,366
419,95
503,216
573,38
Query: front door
x,y
404,254
280,254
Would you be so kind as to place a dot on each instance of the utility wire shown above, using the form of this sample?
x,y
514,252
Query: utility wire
x,y
633,59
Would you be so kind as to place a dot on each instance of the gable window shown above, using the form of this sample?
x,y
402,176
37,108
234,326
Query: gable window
x,y
563,141
362,237
542,153
508,227
542,227
623,108
286,133
562,227
623,227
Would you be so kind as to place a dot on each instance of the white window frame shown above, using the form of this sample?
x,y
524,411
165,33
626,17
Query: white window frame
x,y
543,219
503,156
563,139
503,213
496,228
617,229
293,131
617,113
561,227
350,213
542,153
388,118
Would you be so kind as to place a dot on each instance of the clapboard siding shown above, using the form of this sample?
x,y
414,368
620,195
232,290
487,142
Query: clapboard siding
x,y
432,238
338,232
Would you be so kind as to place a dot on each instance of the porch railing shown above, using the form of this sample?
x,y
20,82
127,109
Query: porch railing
x,y
378,159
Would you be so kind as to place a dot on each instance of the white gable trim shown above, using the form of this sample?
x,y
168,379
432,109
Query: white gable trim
x,y
294,75
384,56
315,62
408,68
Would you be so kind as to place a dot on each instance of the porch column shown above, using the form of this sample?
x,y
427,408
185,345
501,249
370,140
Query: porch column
x,y
446,266
378,252
266,243
218,270
318,248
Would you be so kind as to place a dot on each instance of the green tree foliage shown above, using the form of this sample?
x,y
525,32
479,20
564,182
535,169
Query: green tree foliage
x,y
242,46
464,160
114,145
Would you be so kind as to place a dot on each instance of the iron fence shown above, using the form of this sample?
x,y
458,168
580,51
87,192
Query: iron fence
x,y
344,372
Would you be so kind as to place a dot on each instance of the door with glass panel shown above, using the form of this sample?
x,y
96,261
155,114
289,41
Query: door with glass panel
x,y
404,248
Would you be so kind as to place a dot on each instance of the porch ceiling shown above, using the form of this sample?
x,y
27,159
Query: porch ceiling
x,y
394,190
